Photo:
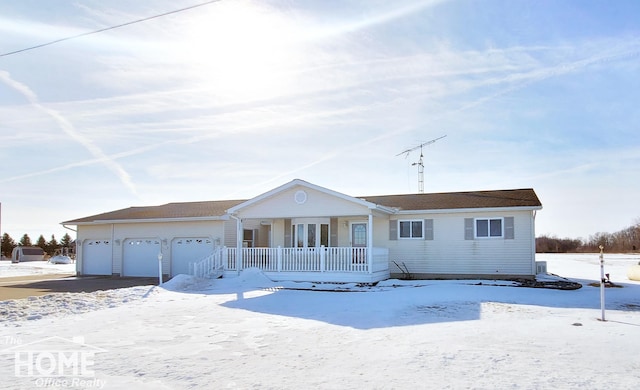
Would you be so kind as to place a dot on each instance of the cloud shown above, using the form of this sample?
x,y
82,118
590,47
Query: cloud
x,y
68,128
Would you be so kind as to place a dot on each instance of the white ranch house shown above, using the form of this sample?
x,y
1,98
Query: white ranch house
x,y
303,232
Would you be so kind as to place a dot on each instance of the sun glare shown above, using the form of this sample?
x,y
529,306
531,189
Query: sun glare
x,y
241,51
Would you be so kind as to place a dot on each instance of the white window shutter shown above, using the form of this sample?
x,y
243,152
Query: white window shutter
x,y
428,229
393,230
468,228
509,228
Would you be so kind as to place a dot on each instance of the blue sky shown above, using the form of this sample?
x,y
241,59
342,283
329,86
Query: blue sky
x,y
234,98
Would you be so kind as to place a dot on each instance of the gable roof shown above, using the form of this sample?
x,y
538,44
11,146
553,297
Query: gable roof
x,y
175,211
302,183
217,210
460,200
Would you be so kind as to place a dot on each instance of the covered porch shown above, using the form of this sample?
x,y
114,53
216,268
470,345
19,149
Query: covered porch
x,y
324,264
303,232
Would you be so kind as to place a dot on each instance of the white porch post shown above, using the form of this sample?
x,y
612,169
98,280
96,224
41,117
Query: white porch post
x,y
370,243
239,235
279,255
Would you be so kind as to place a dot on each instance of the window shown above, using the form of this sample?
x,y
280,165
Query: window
x,y
300,236
324,234
309,233
410,229
489,227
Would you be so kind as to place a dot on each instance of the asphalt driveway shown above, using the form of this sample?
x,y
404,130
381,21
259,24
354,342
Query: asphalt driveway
x,y
35,285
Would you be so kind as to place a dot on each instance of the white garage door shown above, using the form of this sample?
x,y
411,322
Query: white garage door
x,y
188,250
140,257
97,257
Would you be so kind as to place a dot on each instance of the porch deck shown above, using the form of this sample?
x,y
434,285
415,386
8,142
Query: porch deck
x,y
324,264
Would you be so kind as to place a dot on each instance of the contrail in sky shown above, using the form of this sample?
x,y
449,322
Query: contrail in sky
x,y
70,130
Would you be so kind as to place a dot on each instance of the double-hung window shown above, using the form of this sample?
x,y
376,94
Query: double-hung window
x,y
489,228
410,229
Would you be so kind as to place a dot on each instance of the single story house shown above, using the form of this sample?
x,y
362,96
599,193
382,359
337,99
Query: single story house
x,y
304,232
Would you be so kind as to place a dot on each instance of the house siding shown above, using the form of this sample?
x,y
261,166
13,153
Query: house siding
x,y
449,253
230,233
317,204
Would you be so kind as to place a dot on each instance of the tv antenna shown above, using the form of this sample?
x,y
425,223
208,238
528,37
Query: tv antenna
x,y
420,164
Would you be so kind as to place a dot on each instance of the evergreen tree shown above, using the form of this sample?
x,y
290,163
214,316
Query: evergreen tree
x,y
42,243
66,241
52,246
25,240
7,245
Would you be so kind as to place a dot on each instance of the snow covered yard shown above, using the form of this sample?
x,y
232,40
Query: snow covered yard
x,y
248,332
8,269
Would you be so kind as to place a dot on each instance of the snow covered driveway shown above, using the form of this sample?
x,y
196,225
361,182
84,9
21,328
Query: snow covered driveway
x,y
248,332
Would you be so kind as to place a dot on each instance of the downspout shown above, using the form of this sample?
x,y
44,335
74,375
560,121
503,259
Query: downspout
x,y
78,249
238,242
533,233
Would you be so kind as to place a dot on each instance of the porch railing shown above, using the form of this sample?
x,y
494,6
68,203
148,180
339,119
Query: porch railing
x,y
323,259
212,265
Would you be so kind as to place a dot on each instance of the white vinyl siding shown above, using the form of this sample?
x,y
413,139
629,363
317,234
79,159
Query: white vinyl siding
x,y
455,251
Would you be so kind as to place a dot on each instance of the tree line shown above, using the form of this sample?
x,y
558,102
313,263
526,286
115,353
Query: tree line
x,y
623,241
50,247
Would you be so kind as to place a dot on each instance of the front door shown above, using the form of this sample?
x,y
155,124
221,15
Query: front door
x,y
358,240
359,235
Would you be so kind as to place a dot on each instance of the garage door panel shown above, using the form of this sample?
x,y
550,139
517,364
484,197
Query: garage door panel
x,y
188,250
97,257
140,257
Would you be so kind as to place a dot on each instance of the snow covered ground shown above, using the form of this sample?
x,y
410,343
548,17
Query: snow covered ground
x,y
248,332
8,269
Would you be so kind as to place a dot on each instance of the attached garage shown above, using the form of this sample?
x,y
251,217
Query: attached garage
x,y
188,250
96,257
140,257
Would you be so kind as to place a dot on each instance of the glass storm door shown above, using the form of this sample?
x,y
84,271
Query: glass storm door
x,y
359,235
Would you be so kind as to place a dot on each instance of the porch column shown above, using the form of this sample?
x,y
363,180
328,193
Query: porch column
x,y
239,235
370,243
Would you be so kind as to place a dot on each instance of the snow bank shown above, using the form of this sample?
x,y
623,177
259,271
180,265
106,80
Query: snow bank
x,y
64,304
181,282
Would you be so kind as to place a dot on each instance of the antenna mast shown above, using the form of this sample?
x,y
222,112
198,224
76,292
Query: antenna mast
x,y
420,163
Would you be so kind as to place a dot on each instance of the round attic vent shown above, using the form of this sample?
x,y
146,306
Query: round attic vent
x,y
300,197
